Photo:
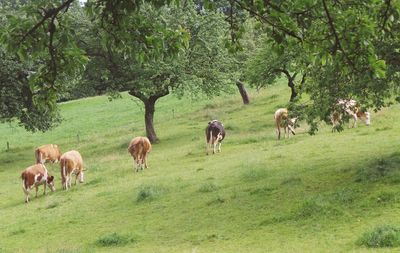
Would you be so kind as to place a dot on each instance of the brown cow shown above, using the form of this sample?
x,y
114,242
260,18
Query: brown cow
x,y
34,176
46,153
282,120
139,148
71,163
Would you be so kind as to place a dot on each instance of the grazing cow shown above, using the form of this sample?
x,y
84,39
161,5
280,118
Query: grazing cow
x,y
139,148
47,153
351,108
71,163
215,133
34,176
282,121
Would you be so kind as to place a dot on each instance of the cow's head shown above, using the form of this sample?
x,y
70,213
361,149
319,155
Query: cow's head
x,y
50,183
292,125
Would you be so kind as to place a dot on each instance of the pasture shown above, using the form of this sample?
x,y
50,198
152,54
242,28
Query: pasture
x,y
304,194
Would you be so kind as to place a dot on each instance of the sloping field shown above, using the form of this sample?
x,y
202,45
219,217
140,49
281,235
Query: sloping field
x,y
304,194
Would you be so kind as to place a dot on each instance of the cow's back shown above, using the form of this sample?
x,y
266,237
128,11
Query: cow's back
x,y
72,160
48,152
28,175
215,127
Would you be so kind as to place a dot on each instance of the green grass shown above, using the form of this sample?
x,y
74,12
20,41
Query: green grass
x,y
317,193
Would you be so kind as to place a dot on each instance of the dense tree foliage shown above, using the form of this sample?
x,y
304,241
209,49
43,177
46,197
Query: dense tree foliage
x,y
327,49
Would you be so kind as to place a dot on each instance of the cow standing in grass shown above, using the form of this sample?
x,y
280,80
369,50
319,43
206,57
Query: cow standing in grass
x,y
351,108
71,162
139,148
215,133
283,121
47,153
34,176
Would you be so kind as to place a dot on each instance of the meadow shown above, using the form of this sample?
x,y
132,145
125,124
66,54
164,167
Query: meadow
x,y
323,193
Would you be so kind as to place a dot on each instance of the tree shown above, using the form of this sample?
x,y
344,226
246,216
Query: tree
x,y
198,67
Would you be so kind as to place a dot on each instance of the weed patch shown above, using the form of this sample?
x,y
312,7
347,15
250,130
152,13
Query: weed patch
x,y
18,231
291,181
52,205
208,187
312,208
114,239
381,236
150,192
253,175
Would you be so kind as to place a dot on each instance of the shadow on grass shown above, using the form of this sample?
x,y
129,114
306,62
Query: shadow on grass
x,y
386,170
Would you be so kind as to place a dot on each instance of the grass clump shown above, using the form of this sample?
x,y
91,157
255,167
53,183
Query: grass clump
x,y
208,187
253,175
312,208
381,236
149,192
385,170
114,239
52,205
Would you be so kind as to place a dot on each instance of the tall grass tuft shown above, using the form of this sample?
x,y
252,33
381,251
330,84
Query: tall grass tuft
x,y
150,192
114,239
208,187
381,236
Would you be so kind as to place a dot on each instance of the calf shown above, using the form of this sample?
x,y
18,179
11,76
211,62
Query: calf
x,y
282,121
34,176
215,133
351,108
71,163
47,153
139,148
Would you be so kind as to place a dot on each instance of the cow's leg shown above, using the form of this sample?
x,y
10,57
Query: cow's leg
x,y
214,146
355,120
219,147
279,133
44,188
81,179
36,188
145,160
26,191
26,195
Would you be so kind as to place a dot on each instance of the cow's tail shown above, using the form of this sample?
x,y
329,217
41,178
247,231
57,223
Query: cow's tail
x,y
24,185
38,156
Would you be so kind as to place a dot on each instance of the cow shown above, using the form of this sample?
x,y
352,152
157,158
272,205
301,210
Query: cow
x,y
283,121
139,148
47,153
71,163
34,176
215,133
351,108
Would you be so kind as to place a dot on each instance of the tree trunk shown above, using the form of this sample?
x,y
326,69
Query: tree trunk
x,y
243,92
149,108
293,95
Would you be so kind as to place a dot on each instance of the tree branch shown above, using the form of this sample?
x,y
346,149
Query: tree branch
x,y
334,32
51,13
264,19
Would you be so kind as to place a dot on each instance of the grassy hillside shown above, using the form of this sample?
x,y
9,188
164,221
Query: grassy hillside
x,y
304,194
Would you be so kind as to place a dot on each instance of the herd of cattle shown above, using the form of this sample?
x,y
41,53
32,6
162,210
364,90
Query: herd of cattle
x,y
71,162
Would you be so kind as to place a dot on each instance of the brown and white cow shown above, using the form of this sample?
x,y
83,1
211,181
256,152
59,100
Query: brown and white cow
x,y
282,121
139,148
47,153
34,176
71,162
215,133
351,108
